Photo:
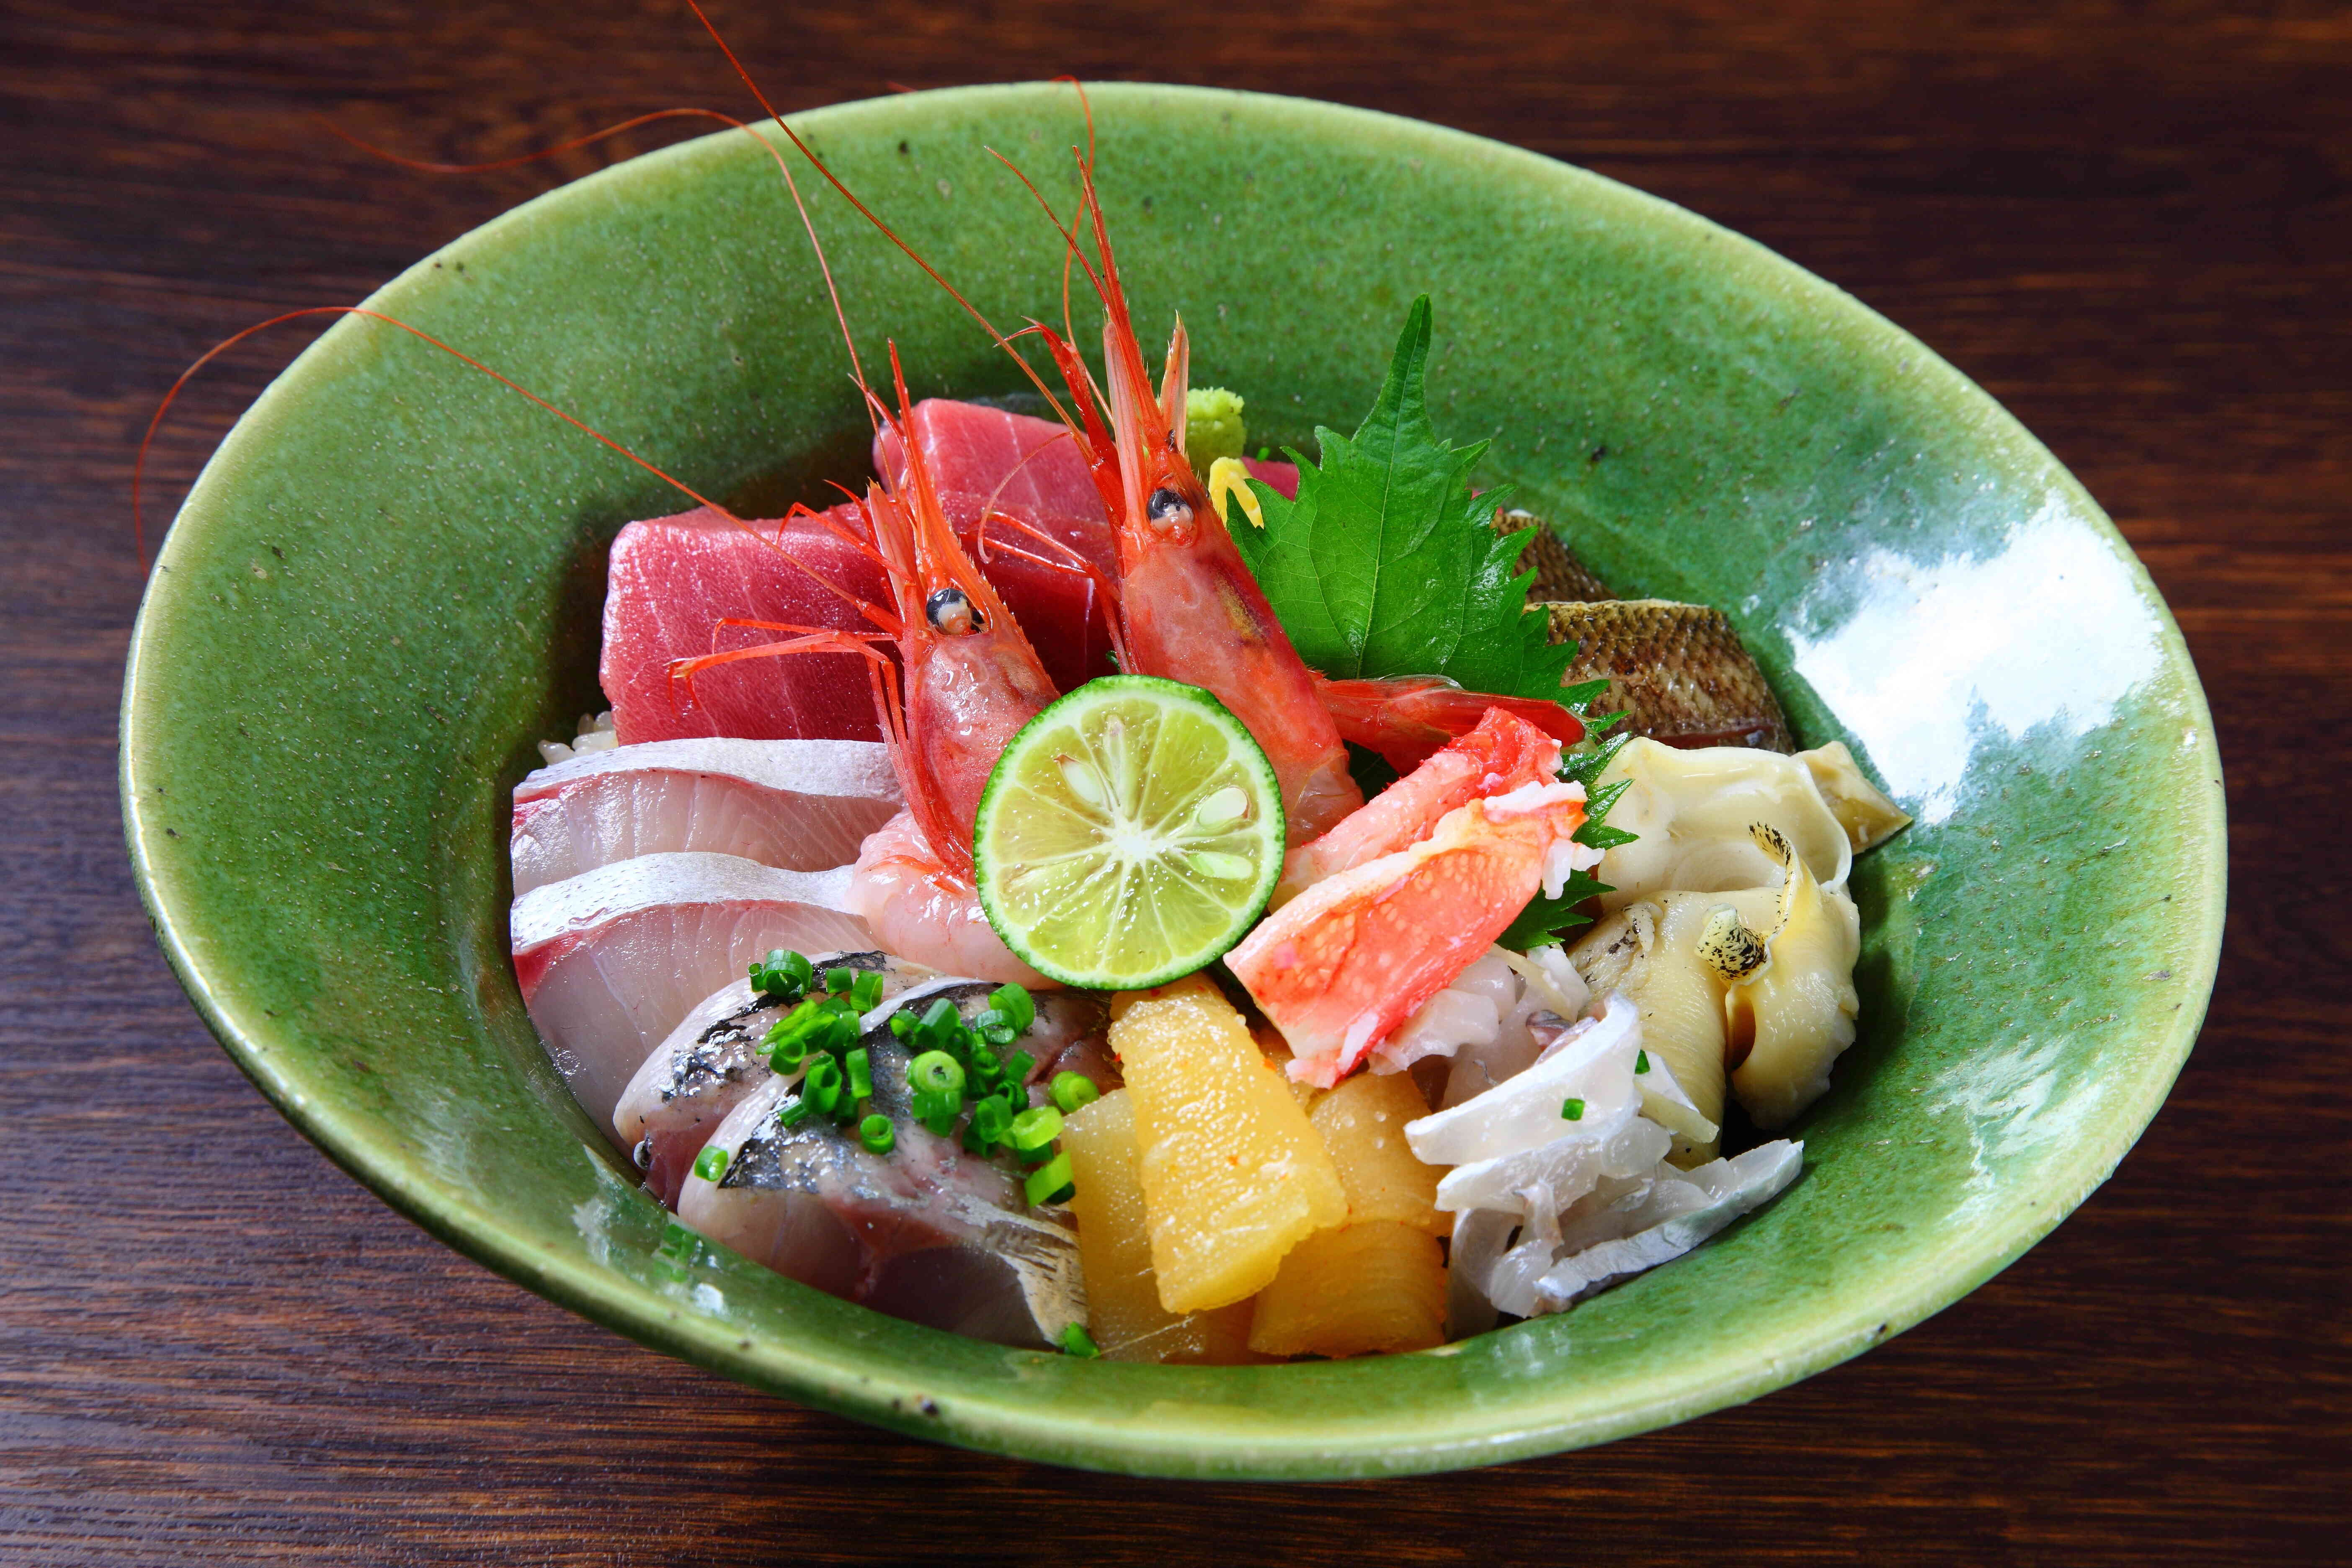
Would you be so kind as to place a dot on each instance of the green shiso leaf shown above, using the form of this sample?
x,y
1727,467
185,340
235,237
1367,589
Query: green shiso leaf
x,y
1546,920
1386,564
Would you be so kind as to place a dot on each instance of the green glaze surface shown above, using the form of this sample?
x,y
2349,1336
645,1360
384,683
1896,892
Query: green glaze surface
x,y
386,588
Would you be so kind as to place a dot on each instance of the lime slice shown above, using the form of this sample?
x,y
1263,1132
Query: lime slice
x,y
1131,833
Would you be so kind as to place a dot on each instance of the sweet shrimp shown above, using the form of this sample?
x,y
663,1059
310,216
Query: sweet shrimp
x,y
966,680
1188,606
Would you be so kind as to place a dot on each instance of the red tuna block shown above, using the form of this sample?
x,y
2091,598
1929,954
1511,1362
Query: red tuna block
x,y
1031,470
673,579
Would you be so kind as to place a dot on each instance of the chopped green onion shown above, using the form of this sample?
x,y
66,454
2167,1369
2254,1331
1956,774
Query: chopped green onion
x,y
903,1022
711,1163
875,1133
991,1124
938,1015
841,1034
1034,1130
986,1068
1571,1110
788,1037
936,1072
1077,1341
839,979
794,1112
1050,1183
861,1074
1018,1066
783,974
679,1246
867,993
1640,1062
821,1089
1072,1089
1012,1005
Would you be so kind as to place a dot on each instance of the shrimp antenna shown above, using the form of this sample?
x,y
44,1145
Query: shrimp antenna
x,y
139,467
783,168
429,167
888,233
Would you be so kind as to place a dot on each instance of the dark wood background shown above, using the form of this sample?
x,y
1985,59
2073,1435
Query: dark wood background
x,y
2131,222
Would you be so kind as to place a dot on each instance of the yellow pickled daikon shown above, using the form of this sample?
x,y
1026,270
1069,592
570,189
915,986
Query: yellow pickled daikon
x,y
1379,1282
1375,1287
1232,1176
1114,1249
1361,1123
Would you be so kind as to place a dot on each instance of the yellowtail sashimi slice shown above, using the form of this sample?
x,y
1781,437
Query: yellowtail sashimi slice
x,y
1130,834
610,960
804,806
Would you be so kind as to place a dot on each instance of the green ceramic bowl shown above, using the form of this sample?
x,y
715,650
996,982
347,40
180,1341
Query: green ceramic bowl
x,y
386,588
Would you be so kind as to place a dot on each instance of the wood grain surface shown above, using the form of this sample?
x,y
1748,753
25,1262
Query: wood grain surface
x,y
2130,223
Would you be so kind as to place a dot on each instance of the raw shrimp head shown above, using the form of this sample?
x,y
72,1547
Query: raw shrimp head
x,y
971,678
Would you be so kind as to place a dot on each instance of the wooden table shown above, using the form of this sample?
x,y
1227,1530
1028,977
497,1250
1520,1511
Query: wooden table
x,y
2130,224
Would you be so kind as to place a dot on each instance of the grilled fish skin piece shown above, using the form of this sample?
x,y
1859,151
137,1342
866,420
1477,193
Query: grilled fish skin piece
x,y
928,1232
714,1058
1678,670
1562,575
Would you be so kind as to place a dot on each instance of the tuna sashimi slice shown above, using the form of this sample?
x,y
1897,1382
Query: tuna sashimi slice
x,y
984,459
672,580
1030,466
804,806
611,960
1282,476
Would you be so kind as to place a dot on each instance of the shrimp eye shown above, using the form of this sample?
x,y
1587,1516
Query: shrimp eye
x,y
1169,509
949,610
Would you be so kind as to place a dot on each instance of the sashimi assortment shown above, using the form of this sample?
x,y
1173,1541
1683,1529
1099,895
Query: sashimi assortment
x,y
1096,888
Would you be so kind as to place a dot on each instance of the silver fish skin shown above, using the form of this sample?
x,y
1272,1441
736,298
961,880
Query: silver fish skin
x,y
686,1087
928,1232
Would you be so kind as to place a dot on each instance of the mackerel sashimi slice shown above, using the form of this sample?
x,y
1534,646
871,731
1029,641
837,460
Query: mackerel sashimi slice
x,y
611,960
930,1232
673,579
715,1057
804,806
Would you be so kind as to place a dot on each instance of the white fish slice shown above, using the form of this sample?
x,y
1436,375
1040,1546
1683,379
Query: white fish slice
x,y
1593,1062
1616,1143
1681,1209
804,806
611,960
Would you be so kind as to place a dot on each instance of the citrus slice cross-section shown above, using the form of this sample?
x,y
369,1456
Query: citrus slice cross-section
x,y
1131,833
